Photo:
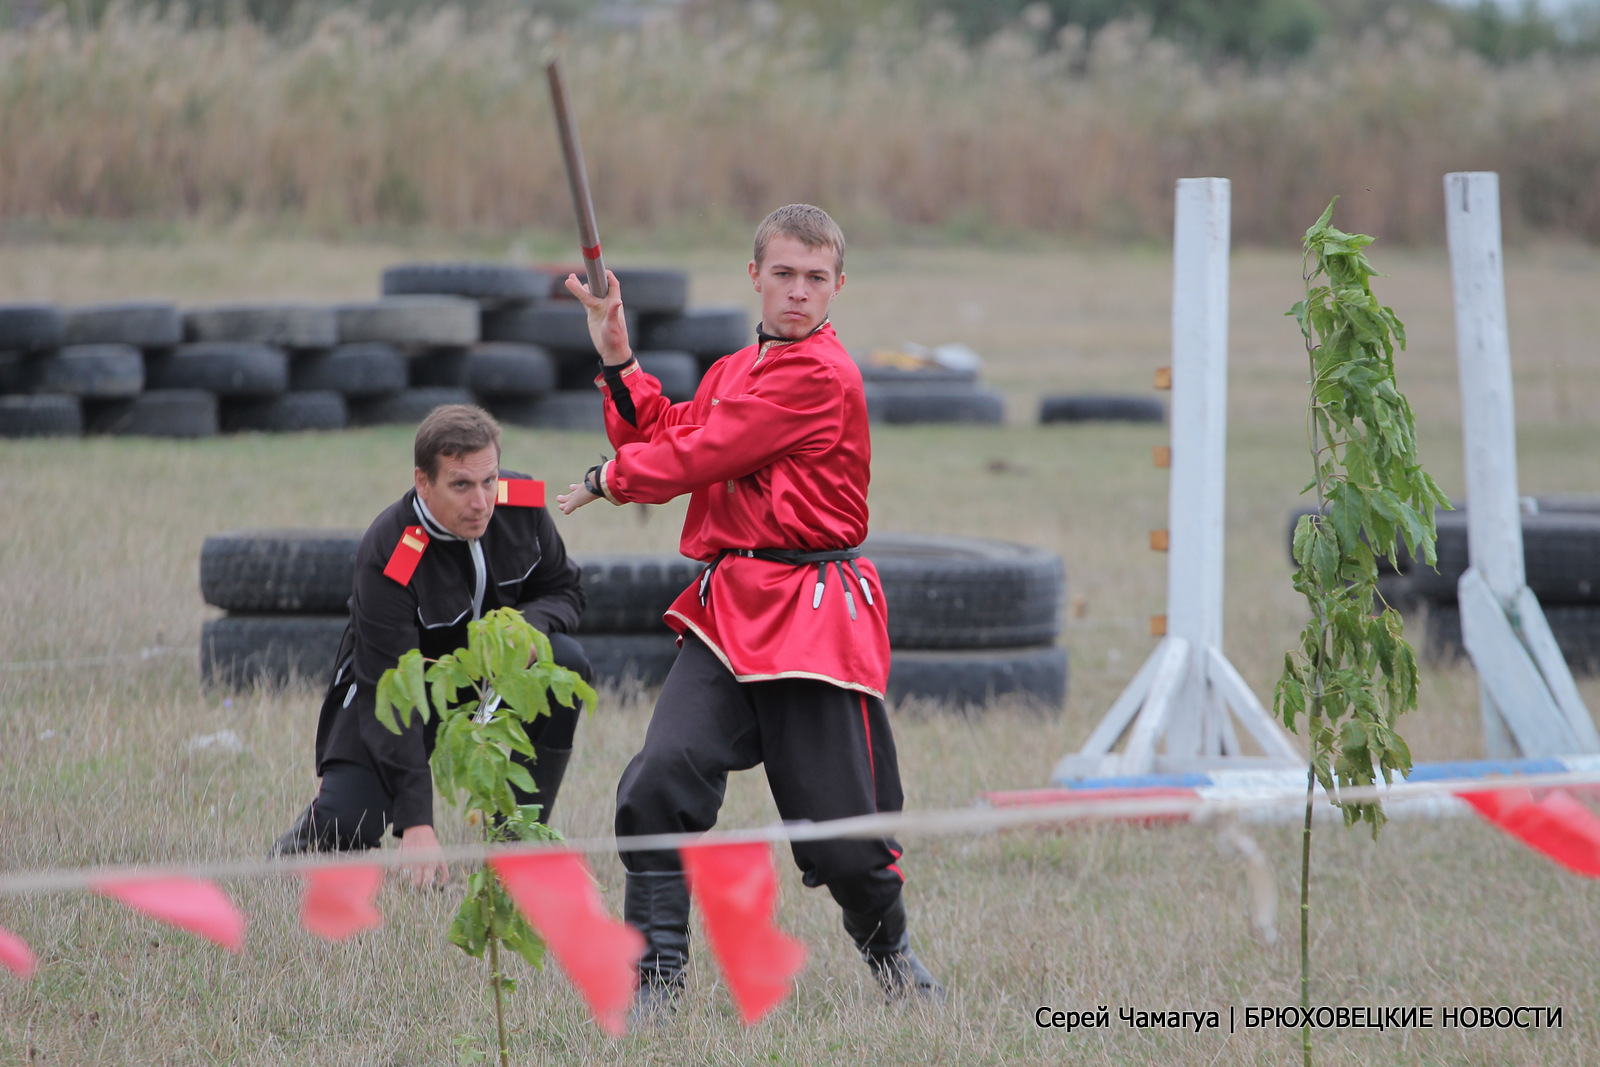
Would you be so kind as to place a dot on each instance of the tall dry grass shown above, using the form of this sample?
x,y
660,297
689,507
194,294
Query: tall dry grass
x,y
444,122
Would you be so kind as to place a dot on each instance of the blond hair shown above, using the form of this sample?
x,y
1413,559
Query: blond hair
x,y
809,225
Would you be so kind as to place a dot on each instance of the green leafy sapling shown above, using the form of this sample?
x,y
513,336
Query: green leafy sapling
x,y
484,696
1353,674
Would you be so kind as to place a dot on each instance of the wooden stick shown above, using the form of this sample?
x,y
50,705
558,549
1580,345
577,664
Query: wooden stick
x,y
578,179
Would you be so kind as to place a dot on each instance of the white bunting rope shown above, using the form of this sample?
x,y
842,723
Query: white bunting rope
x,y
949,822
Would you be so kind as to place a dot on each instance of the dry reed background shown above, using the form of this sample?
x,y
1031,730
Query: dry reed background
x,y
444,122
98,546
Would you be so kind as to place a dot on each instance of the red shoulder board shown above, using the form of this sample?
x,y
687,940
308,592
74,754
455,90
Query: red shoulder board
x,y
407,554
520,493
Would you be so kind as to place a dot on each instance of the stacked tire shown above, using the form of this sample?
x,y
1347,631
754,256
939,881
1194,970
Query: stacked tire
x,y
508,337
969,620
150,369
1561,562
672,341
972,619
904,395
64,371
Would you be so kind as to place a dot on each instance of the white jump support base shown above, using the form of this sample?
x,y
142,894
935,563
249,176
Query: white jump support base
x,y
1529,703
1175,712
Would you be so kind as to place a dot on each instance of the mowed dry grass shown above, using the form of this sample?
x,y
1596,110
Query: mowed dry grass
x,y
98,547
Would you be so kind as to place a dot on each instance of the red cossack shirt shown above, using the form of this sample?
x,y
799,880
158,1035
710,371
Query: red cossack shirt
x,y
775,452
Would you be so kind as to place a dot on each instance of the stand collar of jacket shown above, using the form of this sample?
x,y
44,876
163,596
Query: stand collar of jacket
x,y
763,338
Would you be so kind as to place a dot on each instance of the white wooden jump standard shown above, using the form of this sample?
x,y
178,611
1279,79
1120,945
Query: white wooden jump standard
x,y
1183,692
1529,703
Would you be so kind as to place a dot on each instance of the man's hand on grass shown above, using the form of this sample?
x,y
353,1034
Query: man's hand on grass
x,y
421,845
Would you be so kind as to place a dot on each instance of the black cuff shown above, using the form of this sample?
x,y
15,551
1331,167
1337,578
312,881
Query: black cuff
x,y
619,390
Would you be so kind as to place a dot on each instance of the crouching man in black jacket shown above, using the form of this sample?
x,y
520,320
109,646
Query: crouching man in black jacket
x,y
469,538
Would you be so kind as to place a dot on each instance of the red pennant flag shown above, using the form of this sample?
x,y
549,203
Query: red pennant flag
x,y
187,903
556,894
738,891
338,901
16,956
1558,825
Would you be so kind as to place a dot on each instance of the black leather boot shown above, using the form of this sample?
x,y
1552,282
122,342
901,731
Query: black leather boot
x,y
298,838
656,903
885,945
548,768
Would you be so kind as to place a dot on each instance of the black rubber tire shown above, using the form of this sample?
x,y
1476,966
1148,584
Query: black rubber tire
x,y
143,324
962,592
1398,591
358,371
41,416
644,658
320,409
707,332
494,369
308,572
1576,628
30,327
226,368
875,372
653,292
286,325
1560,554
580,410
1402,564
410,320
241,651
563,328
898,404
629,594
156,413
1085,407
489,284
678,373
101,371
1564,503
968,679
577,375
16,371
407,407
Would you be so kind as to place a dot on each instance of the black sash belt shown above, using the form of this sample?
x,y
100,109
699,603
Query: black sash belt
x,y
839,557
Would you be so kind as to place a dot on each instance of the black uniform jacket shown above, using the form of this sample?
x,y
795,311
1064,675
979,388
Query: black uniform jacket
x,y
527,569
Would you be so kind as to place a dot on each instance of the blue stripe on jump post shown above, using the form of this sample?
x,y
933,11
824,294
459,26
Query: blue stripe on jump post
x,y
1487,768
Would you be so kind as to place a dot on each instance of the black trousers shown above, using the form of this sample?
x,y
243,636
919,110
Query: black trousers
x,y
828,754
352,809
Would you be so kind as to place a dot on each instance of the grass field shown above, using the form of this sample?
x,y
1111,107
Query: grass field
x,y
99,542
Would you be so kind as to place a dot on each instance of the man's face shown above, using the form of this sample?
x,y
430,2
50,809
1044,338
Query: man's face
x,y
797,286
462,496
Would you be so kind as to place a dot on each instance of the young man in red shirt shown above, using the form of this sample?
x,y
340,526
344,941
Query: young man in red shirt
x,y
785,646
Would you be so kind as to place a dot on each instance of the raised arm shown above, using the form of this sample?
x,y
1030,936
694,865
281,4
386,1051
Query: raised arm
x,y
796,405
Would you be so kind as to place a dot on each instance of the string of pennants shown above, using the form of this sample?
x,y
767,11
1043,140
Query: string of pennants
x,y
733,880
